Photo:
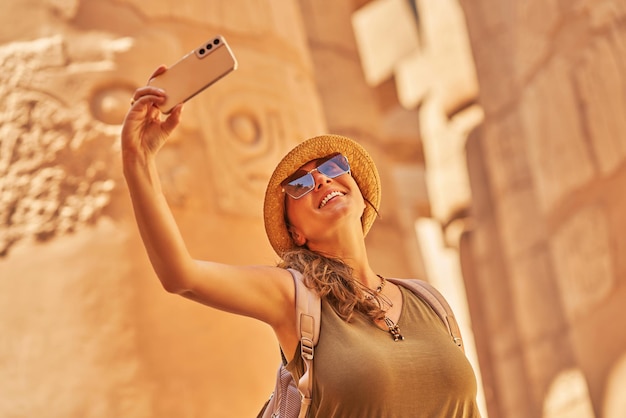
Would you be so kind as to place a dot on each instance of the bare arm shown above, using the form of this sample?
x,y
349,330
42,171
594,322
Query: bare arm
x,y
262,292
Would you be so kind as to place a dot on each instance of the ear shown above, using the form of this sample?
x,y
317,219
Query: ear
x,y
297,237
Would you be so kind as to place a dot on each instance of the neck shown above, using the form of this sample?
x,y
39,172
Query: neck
x,y
356,257
348,245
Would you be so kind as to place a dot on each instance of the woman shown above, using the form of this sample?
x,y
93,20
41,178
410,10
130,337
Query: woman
x,y
320,203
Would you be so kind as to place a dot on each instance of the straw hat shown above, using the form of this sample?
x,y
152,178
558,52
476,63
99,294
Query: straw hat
x,y
362,168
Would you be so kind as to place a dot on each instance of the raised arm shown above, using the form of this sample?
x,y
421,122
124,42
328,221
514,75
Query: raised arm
x,y
262,292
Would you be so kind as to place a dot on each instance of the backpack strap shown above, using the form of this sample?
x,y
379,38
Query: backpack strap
x,y
437,302
308,313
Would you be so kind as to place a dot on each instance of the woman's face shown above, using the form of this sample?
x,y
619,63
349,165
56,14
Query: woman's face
x,y
333,203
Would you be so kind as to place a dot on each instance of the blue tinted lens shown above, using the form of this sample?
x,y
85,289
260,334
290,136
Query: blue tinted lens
x,y
300,186
334,167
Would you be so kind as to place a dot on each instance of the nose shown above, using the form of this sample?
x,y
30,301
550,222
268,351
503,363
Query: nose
x,y
320,179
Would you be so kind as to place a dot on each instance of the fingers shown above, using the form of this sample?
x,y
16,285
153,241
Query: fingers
x,y
173,119
148,90
154,113
146,95
160,70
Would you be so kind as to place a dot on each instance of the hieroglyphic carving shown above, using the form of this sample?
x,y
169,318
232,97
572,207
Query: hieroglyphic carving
x,y
54,157
600,79
252,123
582,258
507,157
556,143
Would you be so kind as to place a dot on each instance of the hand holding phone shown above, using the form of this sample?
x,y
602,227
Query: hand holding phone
x,y
195,71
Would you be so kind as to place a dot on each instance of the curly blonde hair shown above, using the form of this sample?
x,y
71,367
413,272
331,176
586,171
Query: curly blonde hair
x,y
333,280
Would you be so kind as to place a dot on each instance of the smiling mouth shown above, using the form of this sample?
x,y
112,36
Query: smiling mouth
x,y
328,198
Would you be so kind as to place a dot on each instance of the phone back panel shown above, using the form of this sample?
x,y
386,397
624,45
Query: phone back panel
x,y
195,72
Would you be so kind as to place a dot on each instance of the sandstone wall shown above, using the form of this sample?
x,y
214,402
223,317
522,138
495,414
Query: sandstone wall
x,y
501,184
544,264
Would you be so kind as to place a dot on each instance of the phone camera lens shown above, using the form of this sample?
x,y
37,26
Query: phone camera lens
x,y
216,42
209,46
201,51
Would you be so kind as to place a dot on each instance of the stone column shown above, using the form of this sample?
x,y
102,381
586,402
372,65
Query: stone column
x,y
553,154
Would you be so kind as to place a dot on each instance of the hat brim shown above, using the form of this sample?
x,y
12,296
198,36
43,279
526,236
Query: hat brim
x,y
362,168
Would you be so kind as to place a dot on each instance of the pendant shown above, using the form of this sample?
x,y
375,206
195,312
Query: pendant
x,y
394,330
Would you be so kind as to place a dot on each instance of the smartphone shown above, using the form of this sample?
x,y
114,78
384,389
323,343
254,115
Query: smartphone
x,y
195,72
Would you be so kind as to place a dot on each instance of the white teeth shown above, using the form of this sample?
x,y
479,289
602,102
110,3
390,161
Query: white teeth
x,y
330,196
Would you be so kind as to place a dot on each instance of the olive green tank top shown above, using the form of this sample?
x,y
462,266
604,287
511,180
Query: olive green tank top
x,y
360,372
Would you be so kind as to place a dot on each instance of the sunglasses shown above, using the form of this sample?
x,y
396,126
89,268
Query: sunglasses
x,y
302,182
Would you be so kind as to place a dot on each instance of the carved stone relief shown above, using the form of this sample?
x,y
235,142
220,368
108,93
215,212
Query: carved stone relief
x,y
257,117
600,79
582,258
557,150
45,187
507,157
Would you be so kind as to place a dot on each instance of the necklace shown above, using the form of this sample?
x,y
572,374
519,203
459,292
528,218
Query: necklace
x,y
380,287
394,329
